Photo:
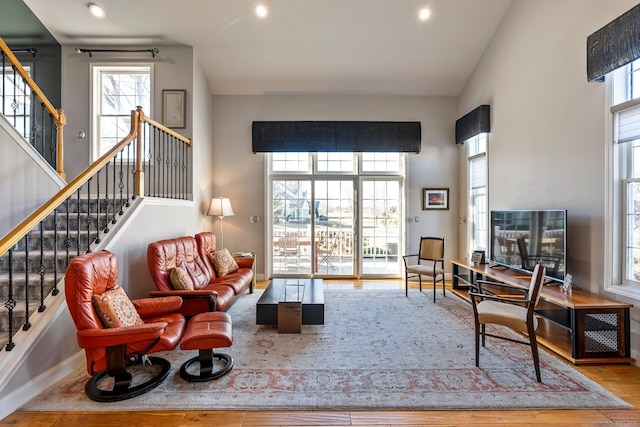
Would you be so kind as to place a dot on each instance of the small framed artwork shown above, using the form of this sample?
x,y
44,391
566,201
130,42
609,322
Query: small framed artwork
x,y
174,108
478,257
435,198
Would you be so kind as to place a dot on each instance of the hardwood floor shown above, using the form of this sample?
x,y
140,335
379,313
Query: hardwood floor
x,y
622,380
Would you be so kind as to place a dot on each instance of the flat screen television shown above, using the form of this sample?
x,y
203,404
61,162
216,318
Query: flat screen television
x,y
520,239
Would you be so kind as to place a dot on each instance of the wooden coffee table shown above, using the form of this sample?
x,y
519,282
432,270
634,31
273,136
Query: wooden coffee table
x,y
309,292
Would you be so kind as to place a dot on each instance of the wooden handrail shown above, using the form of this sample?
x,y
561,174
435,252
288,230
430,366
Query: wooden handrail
x,y
167,130
137,118
57,114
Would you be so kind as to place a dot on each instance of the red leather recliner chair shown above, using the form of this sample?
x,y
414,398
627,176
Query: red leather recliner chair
x,y
110,350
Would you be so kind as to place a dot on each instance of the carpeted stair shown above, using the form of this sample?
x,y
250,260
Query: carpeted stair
x,y
49,250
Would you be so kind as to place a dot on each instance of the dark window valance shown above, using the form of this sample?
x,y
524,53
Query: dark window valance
x,y
313,136
472,124
614,45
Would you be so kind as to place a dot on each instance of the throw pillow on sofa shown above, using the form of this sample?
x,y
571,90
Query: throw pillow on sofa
x,y
115,309
222,262
197,275
180,279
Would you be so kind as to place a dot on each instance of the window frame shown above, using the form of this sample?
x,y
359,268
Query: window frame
x,y
96,99
477,148
619,164
358,176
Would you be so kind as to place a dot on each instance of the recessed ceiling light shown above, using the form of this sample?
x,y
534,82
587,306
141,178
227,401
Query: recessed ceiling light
x,y
261,11
96,10
424,14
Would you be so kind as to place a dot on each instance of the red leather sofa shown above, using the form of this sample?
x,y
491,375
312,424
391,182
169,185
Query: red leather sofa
x,y
210,293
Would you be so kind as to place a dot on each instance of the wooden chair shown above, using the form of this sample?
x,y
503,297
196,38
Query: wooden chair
x,y
430,263
513,312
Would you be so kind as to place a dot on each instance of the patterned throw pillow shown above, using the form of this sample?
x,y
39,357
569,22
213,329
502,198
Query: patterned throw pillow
x,y
198,277
223,262
180,279
116,309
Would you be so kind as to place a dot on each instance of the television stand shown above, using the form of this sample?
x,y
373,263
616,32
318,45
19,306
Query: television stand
x,y
584,328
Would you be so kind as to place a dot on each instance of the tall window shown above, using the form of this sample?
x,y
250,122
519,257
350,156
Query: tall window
x,y
625,112
478,197
116,91
16,99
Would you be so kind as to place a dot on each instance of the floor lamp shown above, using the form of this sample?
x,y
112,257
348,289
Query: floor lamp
x,y
220,207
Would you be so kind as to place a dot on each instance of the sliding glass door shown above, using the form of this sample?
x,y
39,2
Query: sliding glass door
x,y
336,214
334,229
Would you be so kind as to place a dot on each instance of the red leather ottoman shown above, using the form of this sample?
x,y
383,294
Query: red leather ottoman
x,y
206,331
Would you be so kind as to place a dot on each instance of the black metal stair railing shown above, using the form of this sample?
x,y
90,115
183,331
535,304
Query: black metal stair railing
x,y
35,255
29,111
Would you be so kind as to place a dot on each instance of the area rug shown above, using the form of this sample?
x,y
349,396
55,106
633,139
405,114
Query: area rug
x,y
377,350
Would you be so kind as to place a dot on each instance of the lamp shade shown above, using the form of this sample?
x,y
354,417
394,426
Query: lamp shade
x,y
220,206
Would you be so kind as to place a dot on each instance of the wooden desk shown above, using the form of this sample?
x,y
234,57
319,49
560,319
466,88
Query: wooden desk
x,y
581,327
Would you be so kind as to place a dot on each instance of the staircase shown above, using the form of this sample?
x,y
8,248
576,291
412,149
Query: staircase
x,y
35,255
74,228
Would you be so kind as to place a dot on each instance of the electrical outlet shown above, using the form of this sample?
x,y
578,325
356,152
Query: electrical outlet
x,y
254,218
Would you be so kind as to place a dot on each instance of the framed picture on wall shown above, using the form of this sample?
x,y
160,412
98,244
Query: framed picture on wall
x,y
174,108
435,199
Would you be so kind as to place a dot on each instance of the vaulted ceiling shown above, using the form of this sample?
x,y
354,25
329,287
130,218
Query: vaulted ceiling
x,y
355,47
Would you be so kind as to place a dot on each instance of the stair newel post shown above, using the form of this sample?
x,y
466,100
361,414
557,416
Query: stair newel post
x,y
61,120
137,118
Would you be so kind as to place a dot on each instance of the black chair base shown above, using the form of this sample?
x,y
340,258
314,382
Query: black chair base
x,y
206,373
122,389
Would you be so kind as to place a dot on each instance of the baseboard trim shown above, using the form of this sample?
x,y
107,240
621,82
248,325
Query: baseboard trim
x,y
22,395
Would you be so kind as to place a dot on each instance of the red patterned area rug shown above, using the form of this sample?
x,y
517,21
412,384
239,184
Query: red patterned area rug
x,y
377,350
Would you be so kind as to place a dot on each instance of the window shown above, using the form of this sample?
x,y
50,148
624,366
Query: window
x,y
381,162
116,91
625,115
290,162
336,162
16,98
478,197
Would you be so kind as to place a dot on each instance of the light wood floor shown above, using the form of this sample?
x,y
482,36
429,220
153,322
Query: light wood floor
x,y
623,380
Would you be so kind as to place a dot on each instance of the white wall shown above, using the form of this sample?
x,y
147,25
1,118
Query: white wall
x,y
240,175
172,69
30,180
547,140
